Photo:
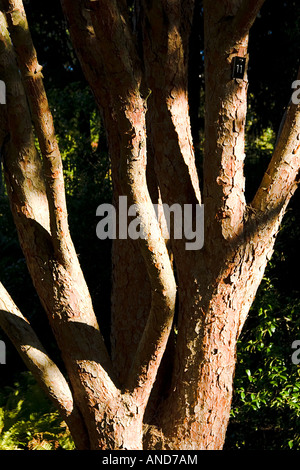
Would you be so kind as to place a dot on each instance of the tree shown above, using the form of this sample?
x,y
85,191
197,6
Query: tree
x,y
166,379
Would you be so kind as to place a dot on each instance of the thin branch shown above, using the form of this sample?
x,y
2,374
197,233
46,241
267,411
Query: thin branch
x,y
246,16
281,178
47,374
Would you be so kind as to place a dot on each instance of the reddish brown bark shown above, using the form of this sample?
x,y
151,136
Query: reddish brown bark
x,y
142,93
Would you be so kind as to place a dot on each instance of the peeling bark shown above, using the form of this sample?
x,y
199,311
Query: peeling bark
x,y
142,93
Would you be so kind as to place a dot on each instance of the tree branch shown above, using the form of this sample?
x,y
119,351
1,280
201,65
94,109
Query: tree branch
x,y
27,180
63,292
246,16
166,31
225,119
47,374
155,336
43,123
122,70
87,48
281,178
119,56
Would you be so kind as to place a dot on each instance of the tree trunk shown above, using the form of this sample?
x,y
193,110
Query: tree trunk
x,y
214,307
214,310
179,366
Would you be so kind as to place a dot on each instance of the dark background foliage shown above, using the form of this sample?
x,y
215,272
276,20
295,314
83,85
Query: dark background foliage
x,y
265,411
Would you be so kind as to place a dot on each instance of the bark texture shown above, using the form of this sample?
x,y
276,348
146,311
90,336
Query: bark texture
x,y
167,383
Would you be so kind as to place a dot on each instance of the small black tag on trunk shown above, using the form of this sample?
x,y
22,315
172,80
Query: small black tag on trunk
x,y
238,67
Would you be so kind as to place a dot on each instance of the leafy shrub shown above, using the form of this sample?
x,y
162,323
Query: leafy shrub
x,y
28,421
266,406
